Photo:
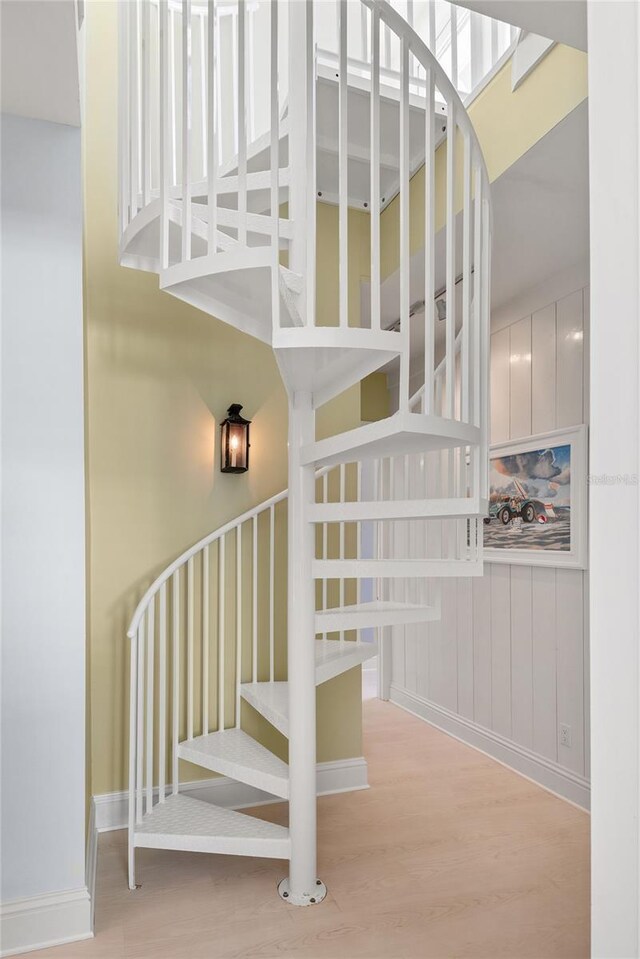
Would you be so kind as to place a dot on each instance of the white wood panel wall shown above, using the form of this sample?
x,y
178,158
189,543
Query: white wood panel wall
x,y
508,663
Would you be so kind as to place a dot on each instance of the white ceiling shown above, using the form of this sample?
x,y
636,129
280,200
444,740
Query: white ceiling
x,y
540,226
561,20
40,76
541,210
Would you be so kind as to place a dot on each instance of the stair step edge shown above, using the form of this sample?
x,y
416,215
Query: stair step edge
x,y
395,568
193,825
430,509
234,753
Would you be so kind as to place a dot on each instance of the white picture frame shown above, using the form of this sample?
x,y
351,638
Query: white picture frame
x,y
502,547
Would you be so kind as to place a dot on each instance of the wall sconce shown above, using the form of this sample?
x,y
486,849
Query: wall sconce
x,y
234,441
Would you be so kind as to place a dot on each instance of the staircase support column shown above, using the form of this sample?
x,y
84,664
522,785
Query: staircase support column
x,y
302,888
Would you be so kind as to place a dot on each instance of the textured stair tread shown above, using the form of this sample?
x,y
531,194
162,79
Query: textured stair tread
x,y
182,822
378,613
395,568
234,753
400,433
271,700
397,509
334,657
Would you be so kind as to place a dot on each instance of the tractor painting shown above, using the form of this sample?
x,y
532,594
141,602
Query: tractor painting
x,y
518,505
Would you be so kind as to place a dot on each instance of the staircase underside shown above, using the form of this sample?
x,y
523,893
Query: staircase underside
x,y
398,434
326,360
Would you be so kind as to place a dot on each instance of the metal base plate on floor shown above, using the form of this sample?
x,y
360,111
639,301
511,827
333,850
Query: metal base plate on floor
x,y
308,899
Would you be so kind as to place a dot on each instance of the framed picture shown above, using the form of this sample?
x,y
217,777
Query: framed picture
x,y
538,500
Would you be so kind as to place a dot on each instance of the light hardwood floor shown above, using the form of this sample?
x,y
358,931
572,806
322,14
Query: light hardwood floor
x,y
448,854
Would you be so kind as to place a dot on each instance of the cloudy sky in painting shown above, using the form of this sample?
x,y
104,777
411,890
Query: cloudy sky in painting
x,y
545,474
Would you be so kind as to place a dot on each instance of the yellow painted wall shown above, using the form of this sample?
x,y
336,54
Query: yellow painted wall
x,y
160,375
507,125
327,257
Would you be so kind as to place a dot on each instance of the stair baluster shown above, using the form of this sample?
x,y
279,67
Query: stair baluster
x,y
222,159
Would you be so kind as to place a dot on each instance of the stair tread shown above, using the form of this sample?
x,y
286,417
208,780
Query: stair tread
x,y
397,509
377,613
334,657
400,433
235,753
271,700
375,606
182,822
394,568
327,360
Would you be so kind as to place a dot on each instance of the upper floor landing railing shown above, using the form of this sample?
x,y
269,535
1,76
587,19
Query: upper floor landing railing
x,y
468,45
197,79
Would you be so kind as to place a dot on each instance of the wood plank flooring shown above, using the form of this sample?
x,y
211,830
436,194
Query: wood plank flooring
x,y
448,854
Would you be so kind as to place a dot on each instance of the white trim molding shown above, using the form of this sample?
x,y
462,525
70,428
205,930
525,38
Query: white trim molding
x,y
41,921
341,775
530,51
614,215
91,860
552,777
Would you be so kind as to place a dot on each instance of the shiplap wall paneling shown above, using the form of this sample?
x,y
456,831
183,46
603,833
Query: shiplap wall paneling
x,y
500,586
500,377
543,370
570,665
481,599
511,651
521,656
586,719
520,378
464,634
586,323
586,725
569,360
543,628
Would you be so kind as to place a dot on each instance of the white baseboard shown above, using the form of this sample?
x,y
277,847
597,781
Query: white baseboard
x,y
41,921
342,775
552,777
91,864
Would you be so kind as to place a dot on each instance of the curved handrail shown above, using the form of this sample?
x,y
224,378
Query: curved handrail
x,y
192,551
418,48
428,61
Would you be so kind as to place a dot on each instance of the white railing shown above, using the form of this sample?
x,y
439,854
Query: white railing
x,y
213,620
205,187
469,45
173,624
196,91
190,77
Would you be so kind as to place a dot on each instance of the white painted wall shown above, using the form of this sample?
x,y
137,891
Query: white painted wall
x,y
43,533
614,65
509,661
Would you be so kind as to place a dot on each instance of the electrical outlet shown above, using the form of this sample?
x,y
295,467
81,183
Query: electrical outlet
x,y
565,735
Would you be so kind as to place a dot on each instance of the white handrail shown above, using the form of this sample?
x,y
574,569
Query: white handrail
x,y
192,551
428,61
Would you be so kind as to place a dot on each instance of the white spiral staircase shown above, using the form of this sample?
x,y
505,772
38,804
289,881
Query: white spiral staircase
x,y
227,125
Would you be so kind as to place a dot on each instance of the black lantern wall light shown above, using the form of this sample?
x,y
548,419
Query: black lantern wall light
x,y
234,441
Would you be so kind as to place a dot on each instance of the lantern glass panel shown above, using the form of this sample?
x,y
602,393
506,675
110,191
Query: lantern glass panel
x,y
234,442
